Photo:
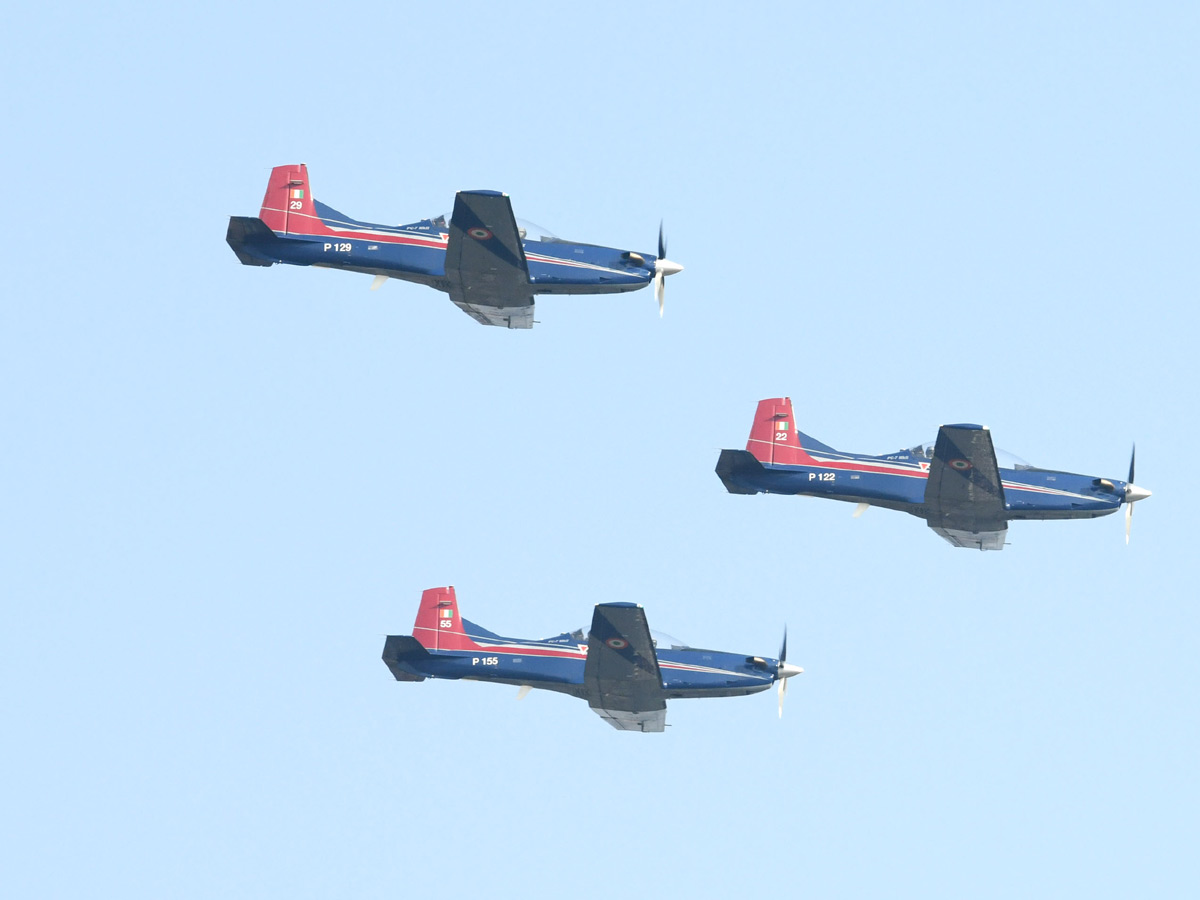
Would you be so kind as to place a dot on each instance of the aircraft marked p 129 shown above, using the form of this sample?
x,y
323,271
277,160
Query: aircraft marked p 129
x,y
490,267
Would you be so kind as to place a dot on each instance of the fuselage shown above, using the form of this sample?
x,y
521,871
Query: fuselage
x,y
557,664
898,480
417,253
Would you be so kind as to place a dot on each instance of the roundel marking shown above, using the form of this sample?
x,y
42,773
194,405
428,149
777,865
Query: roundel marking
x,y
617,643
480,234
961,464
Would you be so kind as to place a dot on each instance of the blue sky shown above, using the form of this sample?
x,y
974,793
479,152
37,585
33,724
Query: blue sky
x,y
223,485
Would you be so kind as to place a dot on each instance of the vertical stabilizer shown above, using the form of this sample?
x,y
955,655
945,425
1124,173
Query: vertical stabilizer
x,y
773,436
439,625
287,206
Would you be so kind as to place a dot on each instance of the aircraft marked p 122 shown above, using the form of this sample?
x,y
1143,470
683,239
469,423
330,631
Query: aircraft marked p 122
x,y
955,484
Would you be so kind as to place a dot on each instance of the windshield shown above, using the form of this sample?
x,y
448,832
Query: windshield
x,y
532,231
1004,459
664,641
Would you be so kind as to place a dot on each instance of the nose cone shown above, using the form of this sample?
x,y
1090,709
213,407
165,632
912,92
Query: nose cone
x,y
1133,493
787,670
667,267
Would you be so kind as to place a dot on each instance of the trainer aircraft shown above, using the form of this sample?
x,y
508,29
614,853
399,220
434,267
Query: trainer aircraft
x,y
491,267
956,483
625,672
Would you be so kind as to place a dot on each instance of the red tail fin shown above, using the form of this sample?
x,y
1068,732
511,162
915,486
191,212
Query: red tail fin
x,y
287,206
438,625
774,437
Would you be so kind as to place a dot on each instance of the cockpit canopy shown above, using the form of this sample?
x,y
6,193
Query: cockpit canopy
x,y
1004,459
662,640
529,231
532,231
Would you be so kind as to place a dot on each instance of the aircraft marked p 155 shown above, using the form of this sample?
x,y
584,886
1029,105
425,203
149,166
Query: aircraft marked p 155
x,y
617,666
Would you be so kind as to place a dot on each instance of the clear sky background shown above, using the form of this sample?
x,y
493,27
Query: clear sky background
x,y
222,486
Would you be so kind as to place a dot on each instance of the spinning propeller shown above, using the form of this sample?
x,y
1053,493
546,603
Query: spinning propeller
x,y
1133,494
662,268
784,672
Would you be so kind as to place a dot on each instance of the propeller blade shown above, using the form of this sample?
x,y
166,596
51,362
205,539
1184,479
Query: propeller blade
x,y
660,277
662,268
1133,494
784,671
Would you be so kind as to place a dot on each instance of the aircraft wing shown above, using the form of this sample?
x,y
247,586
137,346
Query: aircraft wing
x,y
964,497
621,679
485,261
504,316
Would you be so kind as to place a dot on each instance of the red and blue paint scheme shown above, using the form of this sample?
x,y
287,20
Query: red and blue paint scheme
x,y
955,483
490,267
617,665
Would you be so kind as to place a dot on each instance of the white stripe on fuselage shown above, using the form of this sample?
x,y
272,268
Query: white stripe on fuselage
x,y
562,651
911,470
437,241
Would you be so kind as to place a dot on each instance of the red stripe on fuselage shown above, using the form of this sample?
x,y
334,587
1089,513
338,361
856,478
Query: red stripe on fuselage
x,y
886,469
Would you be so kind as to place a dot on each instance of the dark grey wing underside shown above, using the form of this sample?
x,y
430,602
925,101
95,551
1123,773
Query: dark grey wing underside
x,y
964,497
621,679
485,261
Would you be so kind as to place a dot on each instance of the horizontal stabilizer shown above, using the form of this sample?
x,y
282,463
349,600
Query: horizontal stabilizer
x,y
397,649
250,239
734,463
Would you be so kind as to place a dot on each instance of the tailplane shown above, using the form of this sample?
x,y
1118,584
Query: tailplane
x,y
774,438
400,652
252,241
439,625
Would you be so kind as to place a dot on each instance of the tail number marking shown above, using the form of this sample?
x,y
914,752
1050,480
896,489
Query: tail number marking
x,y
485,660
342,247
296,204
781,435
446,623
821,476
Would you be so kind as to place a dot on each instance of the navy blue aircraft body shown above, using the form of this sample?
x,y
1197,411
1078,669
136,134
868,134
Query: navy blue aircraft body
x,y
624,673
491,267
955,483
